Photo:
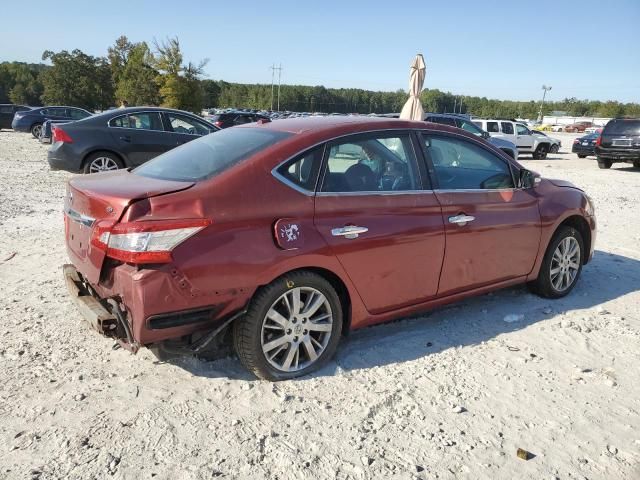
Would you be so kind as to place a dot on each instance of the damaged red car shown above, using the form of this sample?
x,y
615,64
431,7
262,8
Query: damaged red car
x,y
289,234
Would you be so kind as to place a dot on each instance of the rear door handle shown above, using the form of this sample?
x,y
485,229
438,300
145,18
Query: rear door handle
x,y
461,219
349,231
125,138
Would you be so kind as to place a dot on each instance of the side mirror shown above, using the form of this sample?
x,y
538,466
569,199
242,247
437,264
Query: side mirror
x,y
528,179
485,134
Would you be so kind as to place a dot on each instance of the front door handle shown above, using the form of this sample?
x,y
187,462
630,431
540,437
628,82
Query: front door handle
x,y
461,219
349,231
125,138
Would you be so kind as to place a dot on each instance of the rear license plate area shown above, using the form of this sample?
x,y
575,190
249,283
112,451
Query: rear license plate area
x,y
621,142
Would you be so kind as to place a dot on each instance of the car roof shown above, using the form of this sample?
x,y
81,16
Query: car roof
x,y
338,125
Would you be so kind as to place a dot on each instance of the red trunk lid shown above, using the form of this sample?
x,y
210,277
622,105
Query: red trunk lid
x,y
103,197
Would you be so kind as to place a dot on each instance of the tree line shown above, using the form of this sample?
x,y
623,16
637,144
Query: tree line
x,y
141,74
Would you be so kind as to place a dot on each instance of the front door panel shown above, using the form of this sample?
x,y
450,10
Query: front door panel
x,y
500,243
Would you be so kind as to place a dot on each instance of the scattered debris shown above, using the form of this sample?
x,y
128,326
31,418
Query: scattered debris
x,y
524,455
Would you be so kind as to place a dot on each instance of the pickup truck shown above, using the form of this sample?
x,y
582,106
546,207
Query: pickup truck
x,y
518,133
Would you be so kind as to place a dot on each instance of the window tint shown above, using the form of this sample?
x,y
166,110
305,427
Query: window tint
x,y
492,127
462,165
140,121
77,114
209,155
507,127
522,130
442,120
384,164
6,109
242,119
620,127
183,124
470,127
303,170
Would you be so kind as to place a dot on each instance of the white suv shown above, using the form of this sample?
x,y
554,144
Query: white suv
x,y
517,133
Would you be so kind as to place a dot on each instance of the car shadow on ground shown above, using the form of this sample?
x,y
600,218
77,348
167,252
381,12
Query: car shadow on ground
x,y
473,321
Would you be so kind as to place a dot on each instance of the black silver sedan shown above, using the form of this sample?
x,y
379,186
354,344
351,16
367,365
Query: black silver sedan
x,y
122,138
585,146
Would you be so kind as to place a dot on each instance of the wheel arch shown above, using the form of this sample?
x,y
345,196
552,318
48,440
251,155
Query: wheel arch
x,y
107,150
580,224
336,282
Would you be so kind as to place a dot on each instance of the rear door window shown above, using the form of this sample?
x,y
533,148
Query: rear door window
x,y
373,164
492,127
76,114
210,155
507,128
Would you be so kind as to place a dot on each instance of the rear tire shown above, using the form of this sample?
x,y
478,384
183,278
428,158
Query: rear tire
x,y
604,163
541,152
36,130
102,162
561,265
636,164
274,337
554,149
581,156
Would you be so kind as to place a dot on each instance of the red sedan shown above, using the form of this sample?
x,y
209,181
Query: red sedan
x,y
293,232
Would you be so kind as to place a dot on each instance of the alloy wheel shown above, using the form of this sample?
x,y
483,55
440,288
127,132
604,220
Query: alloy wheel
x,y
565,264
37,131
102,164
296,329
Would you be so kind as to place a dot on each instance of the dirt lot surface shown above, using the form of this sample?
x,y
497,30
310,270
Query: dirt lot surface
x,y
453,394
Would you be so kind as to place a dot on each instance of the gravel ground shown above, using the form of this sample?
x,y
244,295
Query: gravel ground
x,y
453,394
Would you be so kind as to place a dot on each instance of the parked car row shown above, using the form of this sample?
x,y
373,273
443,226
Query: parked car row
x,y
32,120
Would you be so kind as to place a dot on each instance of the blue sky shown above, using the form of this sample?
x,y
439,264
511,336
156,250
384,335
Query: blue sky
x,y
497,49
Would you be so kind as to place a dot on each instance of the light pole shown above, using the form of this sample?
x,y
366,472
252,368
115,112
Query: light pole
x,y
545,89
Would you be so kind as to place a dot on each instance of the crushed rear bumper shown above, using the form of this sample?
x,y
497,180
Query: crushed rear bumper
x,y
94,312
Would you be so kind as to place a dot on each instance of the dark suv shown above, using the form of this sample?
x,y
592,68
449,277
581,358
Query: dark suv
x,y
7,110
231,119
619,142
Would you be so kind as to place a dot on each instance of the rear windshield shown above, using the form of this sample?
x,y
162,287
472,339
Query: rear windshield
x,y
626,127
209,155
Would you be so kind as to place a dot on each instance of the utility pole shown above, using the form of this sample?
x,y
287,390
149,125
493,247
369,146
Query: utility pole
x,y
545,89
273,73
279,78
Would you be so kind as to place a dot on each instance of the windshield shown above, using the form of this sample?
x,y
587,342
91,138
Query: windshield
x,y
209,155
620,127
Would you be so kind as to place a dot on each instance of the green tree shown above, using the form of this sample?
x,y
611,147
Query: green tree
x,y
20,83
137,78
77,79
179,84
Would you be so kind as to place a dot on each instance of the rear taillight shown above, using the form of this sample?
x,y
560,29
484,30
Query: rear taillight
x,y
576,141
218,124
598,140
60,135
144,242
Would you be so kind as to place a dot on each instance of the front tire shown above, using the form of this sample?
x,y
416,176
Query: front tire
x,y
36,130
554,148
292,327
636,164
604,163
562,264
102,162
540,153
581,156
